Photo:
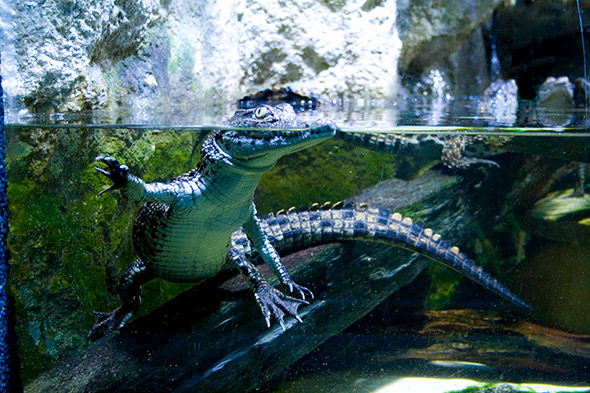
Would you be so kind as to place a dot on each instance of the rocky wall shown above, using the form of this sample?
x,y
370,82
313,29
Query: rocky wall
x,y
142,57
148,55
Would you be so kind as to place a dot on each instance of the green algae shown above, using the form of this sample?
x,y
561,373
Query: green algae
x,y
69,245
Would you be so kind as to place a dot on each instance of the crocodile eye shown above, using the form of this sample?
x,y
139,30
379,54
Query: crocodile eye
x,y
261,112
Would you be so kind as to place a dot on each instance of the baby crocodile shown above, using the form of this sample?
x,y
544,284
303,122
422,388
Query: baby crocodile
x,y
205,221
454,151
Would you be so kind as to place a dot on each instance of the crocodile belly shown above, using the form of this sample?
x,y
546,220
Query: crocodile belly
x,y
180,261
180,248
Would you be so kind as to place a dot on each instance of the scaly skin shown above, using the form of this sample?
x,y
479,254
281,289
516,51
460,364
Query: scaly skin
x,y
296,230
455,152
184,230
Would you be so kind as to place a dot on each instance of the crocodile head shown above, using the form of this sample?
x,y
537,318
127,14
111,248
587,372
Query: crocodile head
x,y
266,133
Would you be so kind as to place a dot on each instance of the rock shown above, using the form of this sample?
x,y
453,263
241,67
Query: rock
x,y
581,93
339,48
469,67
151,57
64,239
433,29
500,103
462,66
555,102
63,48
540,38
556,92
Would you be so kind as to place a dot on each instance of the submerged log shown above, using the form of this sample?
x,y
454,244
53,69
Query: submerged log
x,y
213,337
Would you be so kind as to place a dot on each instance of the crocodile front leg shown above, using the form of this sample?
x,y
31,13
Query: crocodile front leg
x,y
255,230
136,189
271,301
130,284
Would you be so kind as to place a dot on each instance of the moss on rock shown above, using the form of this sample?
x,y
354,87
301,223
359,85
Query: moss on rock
x,y
65,240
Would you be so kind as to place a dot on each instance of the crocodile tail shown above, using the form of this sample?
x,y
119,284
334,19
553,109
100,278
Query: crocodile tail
x,y
298,229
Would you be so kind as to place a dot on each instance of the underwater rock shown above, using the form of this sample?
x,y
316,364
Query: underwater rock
x,y
560,205
63,238
222,344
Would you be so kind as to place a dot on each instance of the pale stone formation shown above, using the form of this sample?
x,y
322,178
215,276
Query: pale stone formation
x,y
63,47
147,55
445,36
433,29
144,57
335,48
500,103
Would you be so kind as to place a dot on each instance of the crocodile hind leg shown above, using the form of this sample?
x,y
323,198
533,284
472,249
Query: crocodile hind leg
x,y
271,301
453,155
130,284
256,232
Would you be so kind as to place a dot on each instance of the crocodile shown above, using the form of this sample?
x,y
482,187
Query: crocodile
x,y
454,151
204,221
499,106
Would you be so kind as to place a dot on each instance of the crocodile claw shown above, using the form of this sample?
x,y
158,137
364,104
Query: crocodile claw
x,y
467,162
106,189
301,289
117,172
108,322
273,303
105,323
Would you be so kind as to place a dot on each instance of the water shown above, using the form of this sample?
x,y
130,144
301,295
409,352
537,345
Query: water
x,y
521,221
375,115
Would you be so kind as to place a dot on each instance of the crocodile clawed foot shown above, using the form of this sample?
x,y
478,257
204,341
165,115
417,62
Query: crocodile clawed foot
x,y
107,323
118,172
273,302
301,289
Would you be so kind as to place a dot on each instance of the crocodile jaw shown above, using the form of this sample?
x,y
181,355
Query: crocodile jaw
x,y
262,148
